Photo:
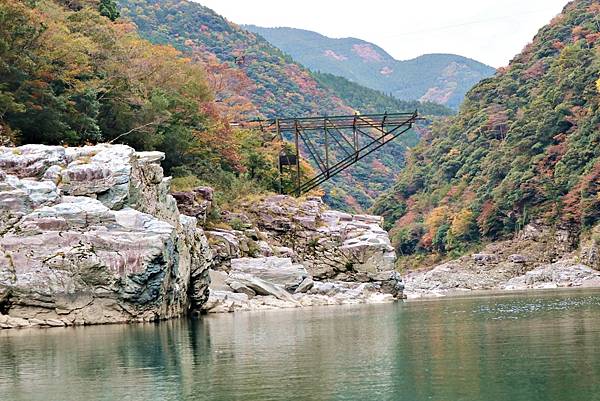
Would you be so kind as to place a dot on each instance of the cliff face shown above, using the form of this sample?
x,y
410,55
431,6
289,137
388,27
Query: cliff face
x,y
284,252
91,235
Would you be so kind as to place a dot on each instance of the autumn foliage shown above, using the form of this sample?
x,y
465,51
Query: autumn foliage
x,y
525,146
73,73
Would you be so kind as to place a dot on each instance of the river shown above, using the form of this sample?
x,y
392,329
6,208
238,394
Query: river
x,y
536,346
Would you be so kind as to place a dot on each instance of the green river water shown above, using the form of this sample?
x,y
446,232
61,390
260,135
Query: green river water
x,y
536,346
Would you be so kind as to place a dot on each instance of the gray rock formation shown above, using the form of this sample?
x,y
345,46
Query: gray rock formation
x,y
91,235
195,203
280,271
566,273
539,257
287,253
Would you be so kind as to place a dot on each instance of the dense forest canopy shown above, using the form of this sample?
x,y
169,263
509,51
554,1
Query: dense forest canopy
x,y
73,73
525,145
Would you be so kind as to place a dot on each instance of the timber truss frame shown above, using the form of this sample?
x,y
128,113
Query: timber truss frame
x,y
333,143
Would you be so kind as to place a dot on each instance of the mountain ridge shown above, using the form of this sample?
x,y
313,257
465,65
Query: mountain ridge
x,y
275,83
439,77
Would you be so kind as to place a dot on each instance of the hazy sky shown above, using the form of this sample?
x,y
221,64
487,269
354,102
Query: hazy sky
x,y
491,31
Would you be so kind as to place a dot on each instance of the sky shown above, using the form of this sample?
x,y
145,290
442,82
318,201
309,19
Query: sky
x,y
490,31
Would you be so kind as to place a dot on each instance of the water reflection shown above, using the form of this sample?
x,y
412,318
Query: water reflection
x,y
540,347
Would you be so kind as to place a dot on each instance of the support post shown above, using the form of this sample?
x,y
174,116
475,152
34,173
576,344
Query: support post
x,y
281,144
326,148
297,141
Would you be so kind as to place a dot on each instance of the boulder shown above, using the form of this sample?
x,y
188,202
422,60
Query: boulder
x,y
225,302
516,258
195,203
485,258
241,288
305,285
275,270
260,286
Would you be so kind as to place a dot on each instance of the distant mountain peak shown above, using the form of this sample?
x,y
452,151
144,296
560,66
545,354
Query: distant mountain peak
x,y
440,77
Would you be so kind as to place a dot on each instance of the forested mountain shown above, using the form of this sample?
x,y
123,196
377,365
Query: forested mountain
x,y
369,100
525,145
440,78
75,73
276,85
78,72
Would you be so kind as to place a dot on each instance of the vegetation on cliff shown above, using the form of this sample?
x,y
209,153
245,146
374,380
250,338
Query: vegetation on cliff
x,y
71,75
525,145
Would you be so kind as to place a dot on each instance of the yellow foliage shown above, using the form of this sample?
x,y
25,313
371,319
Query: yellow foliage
x,y
598,84
462,223
436,217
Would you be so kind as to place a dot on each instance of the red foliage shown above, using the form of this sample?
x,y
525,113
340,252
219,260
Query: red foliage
x,y
577,33
352,202
583,197
498,120
553,155
486,217
558,45
535,71
426,241
409,218
379,166
594,9
592,38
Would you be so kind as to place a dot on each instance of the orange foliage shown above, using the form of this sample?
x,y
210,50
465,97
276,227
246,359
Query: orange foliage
x,y
462,223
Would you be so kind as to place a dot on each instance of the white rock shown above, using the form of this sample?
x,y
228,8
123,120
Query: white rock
x,y
279,271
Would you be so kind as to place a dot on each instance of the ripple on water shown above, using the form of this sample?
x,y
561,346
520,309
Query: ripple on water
x,y
517,347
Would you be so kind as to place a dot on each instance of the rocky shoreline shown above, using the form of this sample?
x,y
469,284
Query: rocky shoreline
x,y
290,253
539,257
92,235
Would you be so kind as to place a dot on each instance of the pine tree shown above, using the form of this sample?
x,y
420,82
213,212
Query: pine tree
x,y
109,9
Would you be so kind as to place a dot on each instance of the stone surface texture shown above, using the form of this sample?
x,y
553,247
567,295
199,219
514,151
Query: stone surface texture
x,y
539,257
282,252
90,235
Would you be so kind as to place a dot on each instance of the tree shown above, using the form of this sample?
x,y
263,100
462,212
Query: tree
x,y
109,9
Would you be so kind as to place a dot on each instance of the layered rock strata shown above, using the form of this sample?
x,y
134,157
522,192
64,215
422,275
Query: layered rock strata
x,y
91,235
283,253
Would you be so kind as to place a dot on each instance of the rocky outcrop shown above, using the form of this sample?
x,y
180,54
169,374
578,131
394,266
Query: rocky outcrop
x,y
539,257
91,235
195,203
282,253
259,288
590,249
566,273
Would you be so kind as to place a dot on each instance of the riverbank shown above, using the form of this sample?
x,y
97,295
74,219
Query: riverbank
x,y
537,258
93,235
281,252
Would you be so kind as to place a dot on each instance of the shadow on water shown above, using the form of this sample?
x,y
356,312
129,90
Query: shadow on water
x,y
543,346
